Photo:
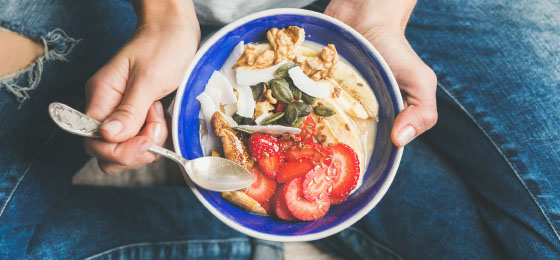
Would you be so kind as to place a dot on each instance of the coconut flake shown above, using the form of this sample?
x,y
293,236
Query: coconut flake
x,y
207,109
229,119
227,68
246,103
259,119
230,109
220,90
319,89
272,129
207,106
246,76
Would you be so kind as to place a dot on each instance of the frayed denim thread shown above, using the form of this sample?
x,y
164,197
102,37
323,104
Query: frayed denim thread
x,y
57,45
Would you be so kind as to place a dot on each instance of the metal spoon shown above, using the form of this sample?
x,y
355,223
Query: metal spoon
x,y
212,173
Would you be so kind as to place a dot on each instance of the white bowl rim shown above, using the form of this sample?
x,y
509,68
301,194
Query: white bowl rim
x,y
296,238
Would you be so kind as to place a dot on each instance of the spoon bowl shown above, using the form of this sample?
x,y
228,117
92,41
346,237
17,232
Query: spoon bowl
x,y
211,173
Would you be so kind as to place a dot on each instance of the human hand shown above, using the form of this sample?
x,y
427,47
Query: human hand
x,y
123,94
383,22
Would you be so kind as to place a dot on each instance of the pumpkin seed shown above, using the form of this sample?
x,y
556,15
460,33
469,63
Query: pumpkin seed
x,y
307,99
295,91
291,113
237,118
302,108
281,121
272,118
248,121
243,130
298,122
281,90
323,111
258,90
282,72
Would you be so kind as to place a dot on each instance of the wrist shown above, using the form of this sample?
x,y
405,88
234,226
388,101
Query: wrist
x,y
385,15
160,13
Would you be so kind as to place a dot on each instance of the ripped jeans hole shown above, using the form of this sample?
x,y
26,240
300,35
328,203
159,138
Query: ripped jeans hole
x,y
57,45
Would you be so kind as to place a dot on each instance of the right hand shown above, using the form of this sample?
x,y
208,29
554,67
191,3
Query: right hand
x,y
124,93
383,23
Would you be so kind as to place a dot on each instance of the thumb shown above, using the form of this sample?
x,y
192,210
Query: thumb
x,y
413,121
129,116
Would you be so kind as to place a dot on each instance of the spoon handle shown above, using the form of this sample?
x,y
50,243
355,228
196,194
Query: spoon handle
x,y
75,122
168,154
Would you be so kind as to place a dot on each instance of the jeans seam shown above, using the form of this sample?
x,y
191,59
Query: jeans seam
x,y
25,173
549,222
56,130
375,242
178,242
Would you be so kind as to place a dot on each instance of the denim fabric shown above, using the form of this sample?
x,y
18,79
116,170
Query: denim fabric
x,y
482,184
41,215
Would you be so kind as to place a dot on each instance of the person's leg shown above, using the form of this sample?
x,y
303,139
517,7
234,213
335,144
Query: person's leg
x,y
37,160
483,183
498,62
17,52
40,215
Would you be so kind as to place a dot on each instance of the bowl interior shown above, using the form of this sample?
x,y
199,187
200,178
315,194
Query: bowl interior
x,y
323,32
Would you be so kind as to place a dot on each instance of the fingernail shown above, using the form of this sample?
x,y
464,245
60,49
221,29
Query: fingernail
x,y
144,148
157,131
159,108
112,126
406,135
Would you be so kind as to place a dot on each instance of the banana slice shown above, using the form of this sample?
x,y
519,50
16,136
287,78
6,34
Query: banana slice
x,y
262,47
356,87
243,200
346,102
339,128
307,51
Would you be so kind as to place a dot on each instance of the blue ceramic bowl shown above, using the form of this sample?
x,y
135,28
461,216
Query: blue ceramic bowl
x,y
352,46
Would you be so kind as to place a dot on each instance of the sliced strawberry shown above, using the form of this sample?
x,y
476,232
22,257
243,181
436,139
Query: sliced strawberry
x,y
285,144
263,145
271,164
301,208
269,205
313,151
262,188
338,200
294,169
317,183
344,169
280,208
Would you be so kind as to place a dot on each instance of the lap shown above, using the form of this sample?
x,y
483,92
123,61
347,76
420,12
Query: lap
x,y
141,222
41,214
498,62
38,160
483,182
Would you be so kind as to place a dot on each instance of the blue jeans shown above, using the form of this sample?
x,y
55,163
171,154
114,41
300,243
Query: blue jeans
x,y
483,183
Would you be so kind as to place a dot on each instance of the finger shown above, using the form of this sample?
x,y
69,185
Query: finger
x,y
156,127
413,121
129,116
105,89
130,154
420,113
108,167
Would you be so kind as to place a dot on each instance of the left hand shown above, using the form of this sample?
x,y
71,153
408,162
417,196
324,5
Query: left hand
x,y
124,93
